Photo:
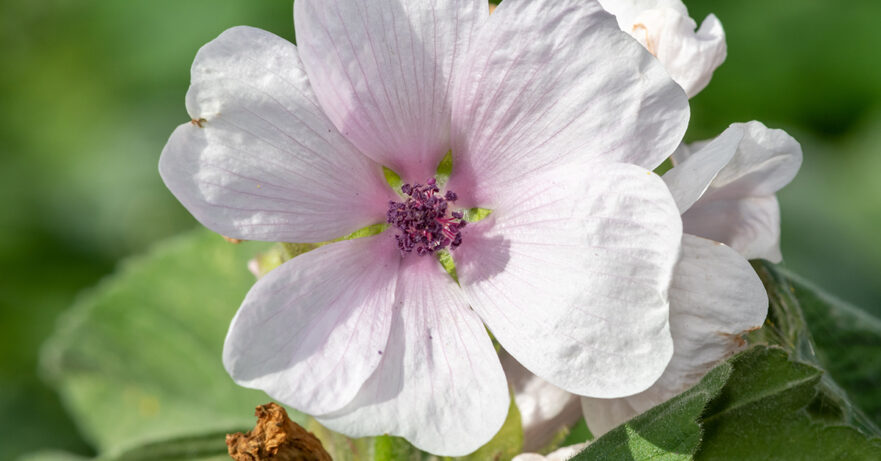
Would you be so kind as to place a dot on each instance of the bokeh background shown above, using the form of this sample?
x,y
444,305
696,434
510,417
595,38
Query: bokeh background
x,y
90,92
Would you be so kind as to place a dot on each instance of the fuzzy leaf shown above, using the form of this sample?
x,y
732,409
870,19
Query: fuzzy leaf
x,y
831,334
761,415
137,359
669,431
753,407
847,342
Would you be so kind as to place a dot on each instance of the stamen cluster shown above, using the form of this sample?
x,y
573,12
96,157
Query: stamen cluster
x,y
423,219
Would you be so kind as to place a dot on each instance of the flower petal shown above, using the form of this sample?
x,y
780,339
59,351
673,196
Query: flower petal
x,y
689,56
689,179
382,70
440,384
545,409
750,225
739,208
310,332
260,160
571,277
715,297
560,454
627,11
667,31
766,160
546,81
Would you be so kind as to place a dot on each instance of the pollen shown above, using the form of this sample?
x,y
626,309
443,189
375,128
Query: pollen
x,y
424,220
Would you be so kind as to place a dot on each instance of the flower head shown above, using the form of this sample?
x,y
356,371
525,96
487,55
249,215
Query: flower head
x,y
551,115
725,190
668,32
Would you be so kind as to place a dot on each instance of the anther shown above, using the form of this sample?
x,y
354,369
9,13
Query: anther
x,y
423,220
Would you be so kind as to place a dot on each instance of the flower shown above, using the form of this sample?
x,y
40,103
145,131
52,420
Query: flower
x,y
668,32
725,190
545,410
551,115
560,454
728,190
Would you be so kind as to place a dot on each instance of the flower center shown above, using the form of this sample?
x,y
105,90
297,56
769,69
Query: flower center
x,y
423,220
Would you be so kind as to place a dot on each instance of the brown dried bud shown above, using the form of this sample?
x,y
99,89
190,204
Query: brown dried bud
x,y
276,438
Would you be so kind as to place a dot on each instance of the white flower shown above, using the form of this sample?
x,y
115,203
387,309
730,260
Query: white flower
x,y
725,190
561,454
545,409
668,32
553,117
729,189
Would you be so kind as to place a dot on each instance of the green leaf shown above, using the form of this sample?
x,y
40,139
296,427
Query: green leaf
x,y
138,359
761,414
753,407
203,448
669,431
847,342
51,455
831,334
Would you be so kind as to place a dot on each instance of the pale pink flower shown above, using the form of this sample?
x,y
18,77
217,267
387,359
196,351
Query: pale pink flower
x,y
668,32
552,116
560,454
725,189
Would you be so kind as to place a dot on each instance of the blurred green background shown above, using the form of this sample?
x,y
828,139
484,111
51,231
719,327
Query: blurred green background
x,y
90,92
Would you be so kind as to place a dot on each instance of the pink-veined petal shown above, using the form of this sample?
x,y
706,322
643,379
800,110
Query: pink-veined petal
x,y
260,160
750,225
440,384
690,178
382,70
312,331
545,409
715,297
546,81
571,276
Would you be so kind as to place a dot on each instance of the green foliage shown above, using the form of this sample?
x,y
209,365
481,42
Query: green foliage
x,y
753,407
669,431
137,360
838,338
772,406
847,343
761,414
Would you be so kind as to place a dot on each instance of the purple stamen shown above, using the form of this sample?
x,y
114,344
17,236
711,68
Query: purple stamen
x,y
423,220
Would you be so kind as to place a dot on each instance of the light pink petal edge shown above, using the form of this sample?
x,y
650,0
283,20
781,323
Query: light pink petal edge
x,y
572,276
260,161
440,384
312,331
